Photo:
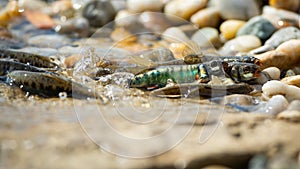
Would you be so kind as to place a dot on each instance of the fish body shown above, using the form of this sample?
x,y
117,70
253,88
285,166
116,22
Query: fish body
x,y
48,84
29,58
7,66
239,72
177,73
228,59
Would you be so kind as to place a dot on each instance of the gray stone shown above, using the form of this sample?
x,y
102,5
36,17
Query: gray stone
x,y
99,13
49,41
259,27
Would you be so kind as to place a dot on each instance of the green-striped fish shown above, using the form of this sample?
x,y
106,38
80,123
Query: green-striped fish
x,y
239,72
177,73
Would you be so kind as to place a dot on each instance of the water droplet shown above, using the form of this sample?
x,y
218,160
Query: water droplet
x,y
62,95
57,28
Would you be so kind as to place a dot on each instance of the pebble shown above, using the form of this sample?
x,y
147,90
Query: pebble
x,y
98,13
207,37
127,19
49,41
281,18
152,56
259,27
230,28
138,6
184,9
286,55
177,49
275,105
189,29
72,60
33,5
175,34
280,36
237,9
273,72
243,43
77,27
292,113
290,5
292,80
208,17
121,34
153,21
64,8
10,12
283,35
39,19
238,99
118,5
275,87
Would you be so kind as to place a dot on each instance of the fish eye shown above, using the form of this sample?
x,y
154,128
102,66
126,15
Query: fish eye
x,y
214,64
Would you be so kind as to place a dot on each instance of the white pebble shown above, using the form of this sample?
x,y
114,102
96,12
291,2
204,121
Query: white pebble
x,y
174,34
274,106
275,87
144,5
184,8
273,72
126,18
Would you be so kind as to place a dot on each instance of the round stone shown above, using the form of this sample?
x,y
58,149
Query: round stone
x,y
144,5
243,43
98,13
280,17
49,41
273,72
292,80
259,27
154,21
125,18
230,28
175,34
237,9
208,17
207,37
291,5
275,87
184,9
292,113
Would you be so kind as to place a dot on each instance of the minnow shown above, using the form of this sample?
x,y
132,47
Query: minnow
x,y
178,74
240,72
48,84
7,66
29,58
